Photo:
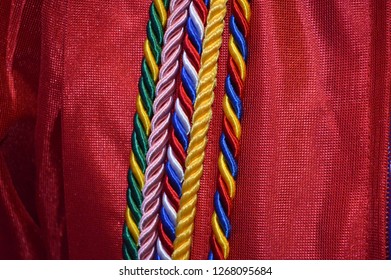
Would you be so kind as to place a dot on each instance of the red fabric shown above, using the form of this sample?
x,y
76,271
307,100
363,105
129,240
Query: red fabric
x,y
312,180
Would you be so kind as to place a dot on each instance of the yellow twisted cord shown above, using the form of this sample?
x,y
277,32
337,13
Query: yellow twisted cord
x,y
220,237
161,11
232,118
200,126
227,176
133,228
142,112
138,173
143,115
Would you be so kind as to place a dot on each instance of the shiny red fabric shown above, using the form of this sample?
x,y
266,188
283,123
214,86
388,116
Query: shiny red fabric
x,y
313,165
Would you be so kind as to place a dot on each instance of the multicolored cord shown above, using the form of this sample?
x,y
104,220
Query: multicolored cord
x,y
142,126
159,137
176,154
229,140
200,126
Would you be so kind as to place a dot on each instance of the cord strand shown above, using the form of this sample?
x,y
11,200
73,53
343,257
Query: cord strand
x,y
200,125
229,140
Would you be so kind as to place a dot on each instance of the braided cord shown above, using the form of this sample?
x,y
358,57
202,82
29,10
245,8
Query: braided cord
x,y
200,126
180,123
229,140
158,139
142,126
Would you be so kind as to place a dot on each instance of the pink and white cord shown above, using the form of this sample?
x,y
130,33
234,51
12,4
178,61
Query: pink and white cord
x,y
159,136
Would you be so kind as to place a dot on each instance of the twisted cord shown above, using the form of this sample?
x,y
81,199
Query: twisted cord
x,y
200,125
229,140
158,139
178,143
141,123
